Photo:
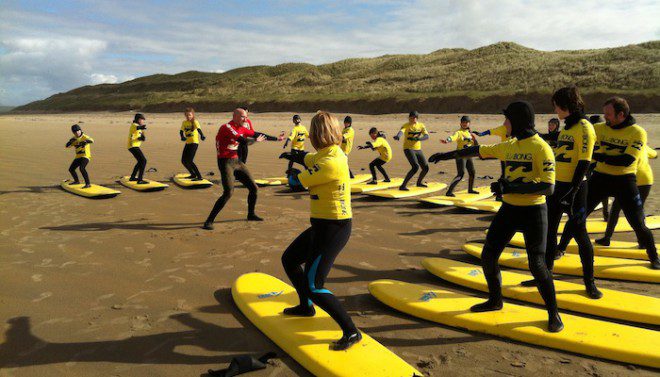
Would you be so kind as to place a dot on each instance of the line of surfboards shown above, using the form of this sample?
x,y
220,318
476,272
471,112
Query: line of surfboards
x,y
102,192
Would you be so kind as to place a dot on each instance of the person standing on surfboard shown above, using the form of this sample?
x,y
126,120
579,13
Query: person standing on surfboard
x,y
81,143
644,184
530,176
297,138
414,133
348,135
135,138
573,153
191,133
620,144
464,139
500,131
328,179
226,142
380,144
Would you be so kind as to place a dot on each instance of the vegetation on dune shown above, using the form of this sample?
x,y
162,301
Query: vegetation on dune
x,y
478,79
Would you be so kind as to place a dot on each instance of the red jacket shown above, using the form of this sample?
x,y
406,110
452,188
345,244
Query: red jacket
x,y
226,141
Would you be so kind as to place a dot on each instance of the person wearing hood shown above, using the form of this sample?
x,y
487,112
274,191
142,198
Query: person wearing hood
x,y
553,132
348,135
297,138
620,145
80,141
529,178
573,153
135,138
464,139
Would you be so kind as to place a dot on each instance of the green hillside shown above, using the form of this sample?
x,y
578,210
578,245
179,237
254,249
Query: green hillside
x,y
447,80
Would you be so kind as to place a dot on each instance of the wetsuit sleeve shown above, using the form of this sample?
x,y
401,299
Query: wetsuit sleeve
x,y
268,137
322,171
493,151
586,142
637,145
545,165
453,137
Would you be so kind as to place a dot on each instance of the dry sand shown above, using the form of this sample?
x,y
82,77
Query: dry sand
x,y
132,286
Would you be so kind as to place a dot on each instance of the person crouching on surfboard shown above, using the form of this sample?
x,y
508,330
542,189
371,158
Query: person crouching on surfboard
x,y
191,132
529,177
328,179
414,133
380,144
464,139
81,143
135,139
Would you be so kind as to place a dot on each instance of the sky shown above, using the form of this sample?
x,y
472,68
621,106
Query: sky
x,y
47,47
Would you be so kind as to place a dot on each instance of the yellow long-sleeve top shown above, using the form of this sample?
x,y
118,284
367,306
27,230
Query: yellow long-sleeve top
x,y
630,140
328,179
528,160
348,135
383,148
81,144
463,138
499,131
191,131
134,136
411,132
573,145
297,137
644,171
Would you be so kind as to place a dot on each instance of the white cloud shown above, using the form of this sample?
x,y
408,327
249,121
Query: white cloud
x,y
177,37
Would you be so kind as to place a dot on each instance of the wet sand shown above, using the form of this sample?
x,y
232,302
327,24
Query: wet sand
x,y
131,286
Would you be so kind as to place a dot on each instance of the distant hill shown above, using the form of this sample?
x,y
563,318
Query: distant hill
x,y
482,80
5,109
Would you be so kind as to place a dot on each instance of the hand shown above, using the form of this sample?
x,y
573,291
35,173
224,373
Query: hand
x,y
142,138
281,137
396,137
184,139
439,157
568,199
286,155
203,137
68,143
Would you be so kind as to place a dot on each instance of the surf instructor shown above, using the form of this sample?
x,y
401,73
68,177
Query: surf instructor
x,y
227,141
529,178
328,178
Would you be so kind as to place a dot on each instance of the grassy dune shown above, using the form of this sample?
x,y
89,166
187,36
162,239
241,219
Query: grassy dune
x,y
448,80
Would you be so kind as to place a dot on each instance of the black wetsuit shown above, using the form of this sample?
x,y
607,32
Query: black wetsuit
x,y
80,163
188,157
140,165
377,163
613,219
230,169
461,165
416,159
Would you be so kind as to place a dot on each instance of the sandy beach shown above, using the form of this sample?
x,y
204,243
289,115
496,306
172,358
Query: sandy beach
x,y
131,286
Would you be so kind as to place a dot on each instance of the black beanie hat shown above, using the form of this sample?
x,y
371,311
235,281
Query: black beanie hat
x,y
348,119
521,116
296,117
413,114
465,118
138,116
75,128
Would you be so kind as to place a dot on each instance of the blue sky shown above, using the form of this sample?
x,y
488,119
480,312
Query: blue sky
x,y
48,47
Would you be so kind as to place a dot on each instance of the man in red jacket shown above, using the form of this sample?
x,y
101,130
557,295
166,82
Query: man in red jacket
x,y
230,135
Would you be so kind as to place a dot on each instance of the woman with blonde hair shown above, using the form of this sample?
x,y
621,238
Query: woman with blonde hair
x,y
191,133
328,179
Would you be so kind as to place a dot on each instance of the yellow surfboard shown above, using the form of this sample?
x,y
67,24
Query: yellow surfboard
x,y
94,192
489,205
586,336
569,264
273,181
360,178
461,197
183,181
571,296
262,298
413,190
599,226
365,187
617,249
147,187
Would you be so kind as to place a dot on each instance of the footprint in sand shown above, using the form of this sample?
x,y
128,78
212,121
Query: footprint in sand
x,y
43,296
144,262
37,278
129,249
367,265
149,245
140,322
178,279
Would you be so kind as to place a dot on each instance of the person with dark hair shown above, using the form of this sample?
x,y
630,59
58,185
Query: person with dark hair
x,y
620,144
530,177
464,139
594,119
348,135
135,138
380,144
80,141
231,167
553,132
414,133
297,138
191,133
573,153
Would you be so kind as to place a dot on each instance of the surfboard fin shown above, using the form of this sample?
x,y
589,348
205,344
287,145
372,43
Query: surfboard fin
x,y
243,364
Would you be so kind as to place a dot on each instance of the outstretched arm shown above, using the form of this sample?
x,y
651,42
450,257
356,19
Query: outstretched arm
x,y
462,153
